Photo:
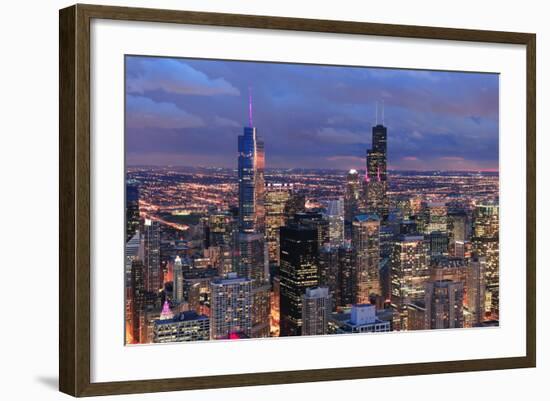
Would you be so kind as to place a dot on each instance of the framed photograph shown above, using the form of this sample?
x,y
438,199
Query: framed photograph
x,y
250,200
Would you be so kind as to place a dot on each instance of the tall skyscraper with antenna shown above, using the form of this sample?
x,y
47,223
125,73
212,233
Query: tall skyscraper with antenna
x,y
376,177
251,179
252,251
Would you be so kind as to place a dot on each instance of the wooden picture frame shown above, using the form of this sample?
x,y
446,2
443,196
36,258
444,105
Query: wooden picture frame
x,y
74,203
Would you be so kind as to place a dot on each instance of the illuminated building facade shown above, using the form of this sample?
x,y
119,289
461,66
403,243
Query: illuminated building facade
x,y
475,292
438,243
178,282
277,197
366,246
316,306
352,197
335,216
409,274
230,307
485,244
184,326
436,217
444,301
251,182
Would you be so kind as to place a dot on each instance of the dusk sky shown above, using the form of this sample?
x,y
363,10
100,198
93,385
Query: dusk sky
x,y
189,112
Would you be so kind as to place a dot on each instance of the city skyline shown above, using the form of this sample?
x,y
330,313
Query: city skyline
x,y
177,108
214,255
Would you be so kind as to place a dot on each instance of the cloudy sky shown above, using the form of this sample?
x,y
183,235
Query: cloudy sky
x,y
189,112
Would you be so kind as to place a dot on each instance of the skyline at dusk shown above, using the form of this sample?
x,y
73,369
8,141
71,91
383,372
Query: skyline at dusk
x,y
264,205
189,112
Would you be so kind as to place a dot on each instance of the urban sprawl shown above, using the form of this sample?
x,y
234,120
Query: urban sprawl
x,y
250,252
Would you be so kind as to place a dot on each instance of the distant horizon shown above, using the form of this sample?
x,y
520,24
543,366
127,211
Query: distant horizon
x,y
390,169
310,116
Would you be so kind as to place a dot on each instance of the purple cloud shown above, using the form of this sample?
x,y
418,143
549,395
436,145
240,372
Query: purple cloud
x,y
173,76
142,112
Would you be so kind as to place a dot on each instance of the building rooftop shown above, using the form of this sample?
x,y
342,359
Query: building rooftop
x,y
232,278
367,217
183,316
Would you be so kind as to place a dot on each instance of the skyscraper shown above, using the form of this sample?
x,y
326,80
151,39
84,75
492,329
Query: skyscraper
x,y
137,301
485,244
231,302
316,220
153,274
261,308
132,254
436,217
299,271
335,215
252,250
296,204
132,208
329,272
352,196
438,243
251,164
375,182
366,246
220,228
475,292
251,182
276,198
316,307
252,256
347,277
178,281
409,273
457,222
444,304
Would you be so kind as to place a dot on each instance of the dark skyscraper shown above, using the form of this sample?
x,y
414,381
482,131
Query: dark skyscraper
x,y
299,270
317,221
137,299
377,155
132,208
153,277
375,184
347,277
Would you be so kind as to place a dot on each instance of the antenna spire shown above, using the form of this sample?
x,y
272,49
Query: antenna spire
x,y
250,121
376,113
382,112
